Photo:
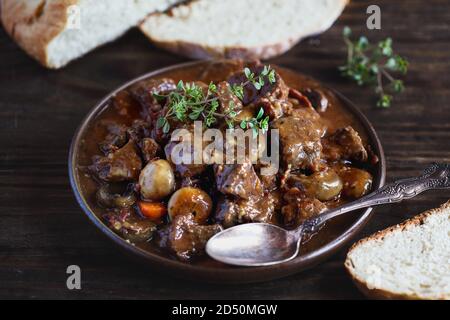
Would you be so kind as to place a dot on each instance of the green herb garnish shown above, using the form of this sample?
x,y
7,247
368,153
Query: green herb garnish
x,y
371,65
260,122
190,102
267,74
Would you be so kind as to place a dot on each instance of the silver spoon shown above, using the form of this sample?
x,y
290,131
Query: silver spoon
x,y
262,244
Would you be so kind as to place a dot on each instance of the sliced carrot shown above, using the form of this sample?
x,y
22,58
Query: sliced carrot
x,y
152,210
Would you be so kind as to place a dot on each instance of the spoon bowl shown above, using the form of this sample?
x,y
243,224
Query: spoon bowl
x,y
254,244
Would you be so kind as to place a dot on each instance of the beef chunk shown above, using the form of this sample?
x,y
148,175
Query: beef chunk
x,y
300,142
231,212
272,97
269,182
274,108
186,170
307,113
139,130
301,107
115,139
300,98
121,165
300,208
129,226
186,238
228,101
149,149
344,144
276,91
318,99
239,180
118,134
125,105
143,92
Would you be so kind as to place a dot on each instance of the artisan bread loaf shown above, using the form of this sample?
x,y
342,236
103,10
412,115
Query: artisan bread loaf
x,y
57,31
407,261
240,28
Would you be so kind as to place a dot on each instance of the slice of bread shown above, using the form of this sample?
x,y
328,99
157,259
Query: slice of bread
x,y
57,31
240,28
407,261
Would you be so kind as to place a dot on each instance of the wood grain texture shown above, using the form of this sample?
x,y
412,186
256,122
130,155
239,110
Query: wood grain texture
x,y
43,230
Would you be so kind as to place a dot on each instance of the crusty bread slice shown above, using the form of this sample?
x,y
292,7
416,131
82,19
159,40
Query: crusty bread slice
x,y
240,28
49,30
407,261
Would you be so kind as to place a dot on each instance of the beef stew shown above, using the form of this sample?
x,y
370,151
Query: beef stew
x,y
151,202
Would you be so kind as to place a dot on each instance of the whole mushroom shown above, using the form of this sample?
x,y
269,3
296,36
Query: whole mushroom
x,y
190,200
157,180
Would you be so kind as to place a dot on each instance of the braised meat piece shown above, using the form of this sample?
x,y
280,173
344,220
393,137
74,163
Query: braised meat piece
x,y
300,208
300,143
231,212
301,107
274,108
139,130
186,238
272,98
121,165
228,101
115,139
131,227
149,149
239,180
185,143
318,99
269,182
300,99
143,92
295,213
277,90
184,170
266,171
344,144
126,106
304,112
118,135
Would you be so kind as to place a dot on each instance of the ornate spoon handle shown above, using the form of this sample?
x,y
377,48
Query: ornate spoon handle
x,y
437,176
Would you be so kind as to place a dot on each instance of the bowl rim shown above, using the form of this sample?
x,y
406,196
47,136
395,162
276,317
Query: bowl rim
x,y
246,275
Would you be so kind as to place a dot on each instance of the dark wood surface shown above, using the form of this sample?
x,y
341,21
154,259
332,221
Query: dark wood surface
x,y
42,229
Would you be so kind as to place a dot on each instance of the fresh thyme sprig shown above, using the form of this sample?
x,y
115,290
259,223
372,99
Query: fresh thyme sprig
x,y
371,65
189,102
260,122
267,74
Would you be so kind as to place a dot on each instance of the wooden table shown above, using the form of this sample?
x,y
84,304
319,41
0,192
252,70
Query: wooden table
x,y
43,230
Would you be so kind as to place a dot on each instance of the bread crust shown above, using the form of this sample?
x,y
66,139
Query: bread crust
x,y
33,26
383,294
198,51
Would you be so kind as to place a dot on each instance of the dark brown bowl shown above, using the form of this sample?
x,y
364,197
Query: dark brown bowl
x,y
328,242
